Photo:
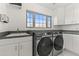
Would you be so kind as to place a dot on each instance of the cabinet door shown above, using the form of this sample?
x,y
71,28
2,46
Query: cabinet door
x,y
9,50
68,41
26,48
55,17
76,44
69,12
76,13
59,16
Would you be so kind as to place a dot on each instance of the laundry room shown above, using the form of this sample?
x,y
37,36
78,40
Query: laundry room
x,y
39,29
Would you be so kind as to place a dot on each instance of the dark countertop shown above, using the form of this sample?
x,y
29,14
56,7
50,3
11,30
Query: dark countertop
x,y
15,36
4,34
75,32
30,32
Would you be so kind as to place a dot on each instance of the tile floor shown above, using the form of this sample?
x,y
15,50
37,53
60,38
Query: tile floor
x,y
67,53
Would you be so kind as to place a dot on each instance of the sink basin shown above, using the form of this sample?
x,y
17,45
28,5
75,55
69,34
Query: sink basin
x,y
16,34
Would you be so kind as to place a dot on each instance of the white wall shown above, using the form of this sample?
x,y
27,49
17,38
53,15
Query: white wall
x,y
17,17
3,26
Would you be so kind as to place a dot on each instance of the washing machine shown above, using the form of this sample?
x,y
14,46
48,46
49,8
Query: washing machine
x,y
57,43
42,44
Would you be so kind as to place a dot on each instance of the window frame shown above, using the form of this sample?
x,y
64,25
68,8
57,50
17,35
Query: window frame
x,y
34,19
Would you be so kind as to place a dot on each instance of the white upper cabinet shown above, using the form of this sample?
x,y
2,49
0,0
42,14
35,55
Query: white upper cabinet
x,y
59,16
55,17
73,11
69,14
72,14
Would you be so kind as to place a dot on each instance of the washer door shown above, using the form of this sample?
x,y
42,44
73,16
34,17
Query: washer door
x,y
58,42
45,46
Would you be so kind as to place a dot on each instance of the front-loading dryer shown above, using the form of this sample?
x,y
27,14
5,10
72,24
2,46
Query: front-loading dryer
x,y
42,44
57,43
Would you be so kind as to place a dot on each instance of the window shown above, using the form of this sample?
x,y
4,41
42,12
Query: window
x,y
36,20
29,19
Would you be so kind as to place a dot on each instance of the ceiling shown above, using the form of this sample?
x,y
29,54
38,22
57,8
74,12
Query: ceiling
x,y
53,5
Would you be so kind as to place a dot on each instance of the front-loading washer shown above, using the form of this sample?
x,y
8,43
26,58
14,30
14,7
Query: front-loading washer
x,y
42,44
57,43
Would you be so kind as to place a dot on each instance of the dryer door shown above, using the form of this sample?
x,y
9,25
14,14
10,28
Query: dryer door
x,y
58,42
45,46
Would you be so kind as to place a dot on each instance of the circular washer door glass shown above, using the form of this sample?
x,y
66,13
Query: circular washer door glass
x,y
58,42
45,46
